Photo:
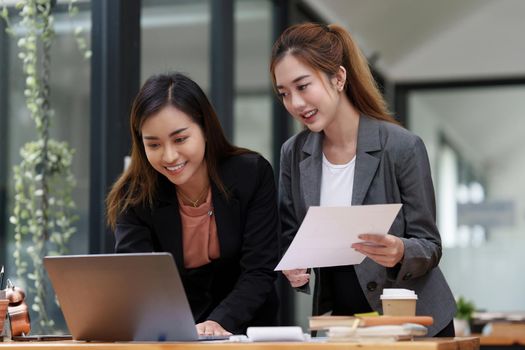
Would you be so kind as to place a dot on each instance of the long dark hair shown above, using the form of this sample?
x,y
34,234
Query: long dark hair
x,y
138,183
326,48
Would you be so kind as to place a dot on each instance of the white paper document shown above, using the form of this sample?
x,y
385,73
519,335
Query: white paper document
x,y
326,235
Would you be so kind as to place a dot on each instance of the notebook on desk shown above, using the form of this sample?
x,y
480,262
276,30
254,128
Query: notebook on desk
x,y
122,297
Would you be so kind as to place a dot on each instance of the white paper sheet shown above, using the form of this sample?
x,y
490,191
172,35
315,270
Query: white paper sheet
x,y
327,234
283,333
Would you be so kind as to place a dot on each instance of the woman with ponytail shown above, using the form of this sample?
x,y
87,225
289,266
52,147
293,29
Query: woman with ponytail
x,y
353,152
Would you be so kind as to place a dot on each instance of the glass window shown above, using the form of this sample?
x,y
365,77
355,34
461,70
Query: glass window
x,y
474,138
70,99
175,37
253,91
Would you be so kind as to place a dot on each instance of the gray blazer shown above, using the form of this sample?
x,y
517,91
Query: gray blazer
x,y
391,167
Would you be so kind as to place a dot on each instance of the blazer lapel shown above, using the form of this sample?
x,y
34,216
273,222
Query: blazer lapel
x,y
366,164
227,214
168,225
311,170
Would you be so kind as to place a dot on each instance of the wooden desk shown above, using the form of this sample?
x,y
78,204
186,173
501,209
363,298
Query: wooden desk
x,y
494,343
490,340
420,344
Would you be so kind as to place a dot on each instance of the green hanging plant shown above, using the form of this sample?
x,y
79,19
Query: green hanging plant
x,y
44,210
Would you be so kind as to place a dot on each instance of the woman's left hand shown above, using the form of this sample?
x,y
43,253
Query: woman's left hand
x,y
211,328
386,250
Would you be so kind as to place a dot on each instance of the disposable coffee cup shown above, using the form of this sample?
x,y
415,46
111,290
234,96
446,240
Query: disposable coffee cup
x,y
398,302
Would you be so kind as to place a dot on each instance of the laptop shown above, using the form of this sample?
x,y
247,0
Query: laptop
x,y
122,297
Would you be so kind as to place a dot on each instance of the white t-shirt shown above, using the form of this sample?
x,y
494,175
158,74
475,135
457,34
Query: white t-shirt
x,y
337,182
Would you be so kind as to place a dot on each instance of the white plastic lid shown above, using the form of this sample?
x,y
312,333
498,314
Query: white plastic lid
x,y
398,293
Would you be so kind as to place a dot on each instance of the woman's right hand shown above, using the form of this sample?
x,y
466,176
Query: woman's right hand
x,y
210,327
297,277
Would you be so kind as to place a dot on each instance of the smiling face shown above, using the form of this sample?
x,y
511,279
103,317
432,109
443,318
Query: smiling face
x,y
175,147
308,95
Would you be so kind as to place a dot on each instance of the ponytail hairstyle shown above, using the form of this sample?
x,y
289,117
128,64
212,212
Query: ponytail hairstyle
x,y
138,184
325,48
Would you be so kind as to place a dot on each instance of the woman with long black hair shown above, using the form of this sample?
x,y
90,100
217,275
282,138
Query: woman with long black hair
x,y
212,205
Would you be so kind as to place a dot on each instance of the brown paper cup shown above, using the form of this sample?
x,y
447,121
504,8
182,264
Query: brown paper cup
x,y
399,307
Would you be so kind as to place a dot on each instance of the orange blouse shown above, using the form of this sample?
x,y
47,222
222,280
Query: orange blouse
x,y
200,242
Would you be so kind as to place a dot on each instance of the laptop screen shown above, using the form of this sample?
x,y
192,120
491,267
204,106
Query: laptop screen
x,y
122,297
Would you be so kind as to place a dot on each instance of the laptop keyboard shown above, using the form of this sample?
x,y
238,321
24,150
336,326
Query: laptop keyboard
x,y
214,337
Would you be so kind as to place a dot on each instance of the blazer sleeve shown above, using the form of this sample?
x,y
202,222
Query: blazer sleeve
x,y
258,255
289,222
132,234
421,237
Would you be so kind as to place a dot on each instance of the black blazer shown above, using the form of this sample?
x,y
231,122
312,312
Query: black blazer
x,y
237,290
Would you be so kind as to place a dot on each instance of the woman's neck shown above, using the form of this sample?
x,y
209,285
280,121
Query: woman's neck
x,y
342,132
196,185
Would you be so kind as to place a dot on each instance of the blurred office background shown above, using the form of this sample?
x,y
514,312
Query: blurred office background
x,y
452,71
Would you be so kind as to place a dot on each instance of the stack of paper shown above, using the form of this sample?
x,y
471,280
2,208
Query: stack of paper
x,y
376,333
325,322
275,334
371,328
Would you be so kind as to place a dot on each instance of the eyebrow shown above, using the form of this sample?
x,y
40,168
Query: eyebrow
x,y
295,80
178,131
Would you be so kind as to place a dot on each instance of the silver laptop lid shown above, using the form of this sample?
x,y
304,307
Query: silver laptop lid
x,y
122,297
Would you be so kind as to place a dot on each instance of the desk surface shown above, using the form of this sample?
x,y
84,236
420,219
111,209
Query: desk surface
x,y
501,341
470,343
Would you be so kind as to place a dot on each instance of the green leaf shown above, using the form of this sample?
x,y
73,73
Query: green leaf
x,y
30,81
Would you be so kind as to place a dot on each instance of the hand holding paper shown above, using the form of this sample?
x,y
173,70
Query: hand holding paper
x,y
297,277
386,250
327,234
